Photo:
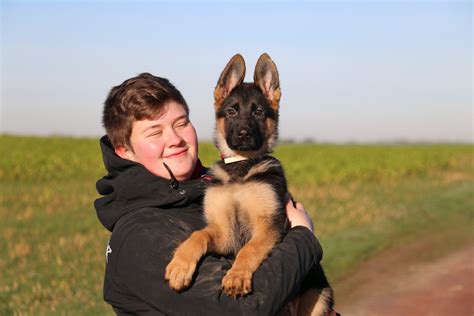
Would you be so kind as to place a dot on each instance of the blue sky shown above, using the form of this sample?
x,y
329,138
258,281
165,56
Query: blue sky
x,y
362,71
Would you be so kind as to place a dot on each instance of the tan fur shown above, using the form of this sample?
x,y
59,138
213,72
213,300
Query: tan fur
x,y
321,307
239,209
272,129
219,97
307,302
271,126
231,76
275,101
312,302
238,280
268,81
180,271
220,174
222,206
220,140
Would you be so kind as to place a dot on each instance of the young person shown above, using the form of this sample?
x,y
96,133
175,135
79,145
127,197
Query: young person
x,y
151,202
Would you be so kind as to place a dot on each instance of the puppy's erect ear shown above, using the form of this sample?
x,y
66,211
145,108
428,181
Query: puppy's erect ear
x,y
266,78
232,76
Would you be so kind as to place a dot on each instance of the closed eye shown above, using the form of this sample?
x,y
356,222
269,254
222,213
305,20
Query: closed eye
x,y
182,123
156,133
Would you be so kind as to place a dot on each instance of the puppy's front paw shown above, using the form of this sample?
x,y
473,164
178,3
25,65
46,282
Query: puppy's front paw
x,y
179,273
237,283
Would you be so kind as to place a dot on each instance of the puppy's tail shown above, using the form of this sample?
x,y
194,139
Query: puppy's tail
x,y
318,297
324,302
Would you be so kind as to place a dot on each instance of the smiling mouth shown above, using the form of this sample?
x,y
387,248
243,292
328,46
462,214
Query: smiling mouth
x,y
176,155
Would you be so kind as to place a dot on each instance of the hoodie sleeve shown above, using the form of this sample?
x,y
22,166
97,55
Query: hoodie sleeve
x,y
142,259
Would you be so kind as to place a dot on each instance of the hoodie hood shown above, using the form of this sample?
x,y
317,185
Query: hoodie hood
x,y
129,186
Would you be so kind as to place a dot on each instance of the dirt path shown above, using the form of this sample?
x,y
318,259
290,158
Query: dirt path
x,y
396,284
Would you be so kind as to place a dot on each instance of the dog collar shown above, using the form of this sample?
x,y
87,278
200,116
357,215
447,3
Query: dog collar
x,y
234,159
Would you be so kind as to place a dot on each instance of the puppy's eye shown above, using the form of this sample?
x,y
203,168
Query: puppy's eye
x,y
258,112
231,112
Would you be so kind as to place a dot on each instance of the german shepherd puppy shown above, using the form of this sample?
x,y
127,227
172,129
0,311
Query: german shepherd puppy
x,y
244,204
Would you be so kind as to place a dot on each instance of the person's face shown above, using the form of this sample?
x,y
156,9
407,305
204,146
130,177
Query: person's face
x,y
169,138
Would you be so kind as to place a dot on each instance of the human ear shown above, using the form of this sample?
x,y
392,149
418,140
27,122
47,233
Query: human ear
x,y
124,152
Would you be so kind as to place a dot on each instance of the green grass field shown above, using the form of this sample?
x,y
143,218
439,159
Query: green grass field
x,y
363,199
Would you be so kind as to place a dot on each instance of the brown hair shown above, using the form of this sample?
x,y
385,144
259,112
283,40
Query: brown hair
x,y
138,98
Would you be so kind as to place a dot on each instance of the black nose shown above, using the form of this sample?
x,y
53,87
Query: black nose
x,y
243,134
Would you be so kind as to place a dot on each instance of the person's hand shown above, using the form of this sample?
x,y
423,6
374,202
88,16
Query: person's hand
x,y
297,215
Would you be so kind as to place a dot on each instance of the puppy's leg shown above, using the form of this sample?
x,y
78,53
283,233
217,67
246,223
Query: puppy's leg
x,y
257,203
213,238
180,270
238,280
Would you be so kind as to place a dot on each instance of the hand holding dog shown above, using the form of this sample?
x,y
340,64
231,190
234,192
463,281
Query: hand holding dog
x,y
298,216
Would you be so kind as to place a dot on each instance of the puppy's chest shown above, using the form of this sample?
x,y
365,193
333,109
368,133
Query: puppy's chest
x,y
247,196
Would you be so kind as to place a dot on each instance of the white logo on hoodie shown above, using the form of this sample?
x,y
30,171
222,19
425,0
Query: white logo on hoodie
x,y
109,250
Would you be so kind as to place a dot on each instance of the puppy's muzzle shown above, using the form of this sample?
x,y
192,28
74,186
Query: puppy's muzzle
x,y
243,134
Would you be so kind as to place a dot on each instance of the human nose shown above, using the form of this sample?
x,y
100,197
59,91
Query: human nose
x,y
173,138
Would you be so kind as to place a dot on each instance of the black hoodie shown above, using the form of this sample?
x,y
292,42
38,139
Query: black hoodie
x,y
149,217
